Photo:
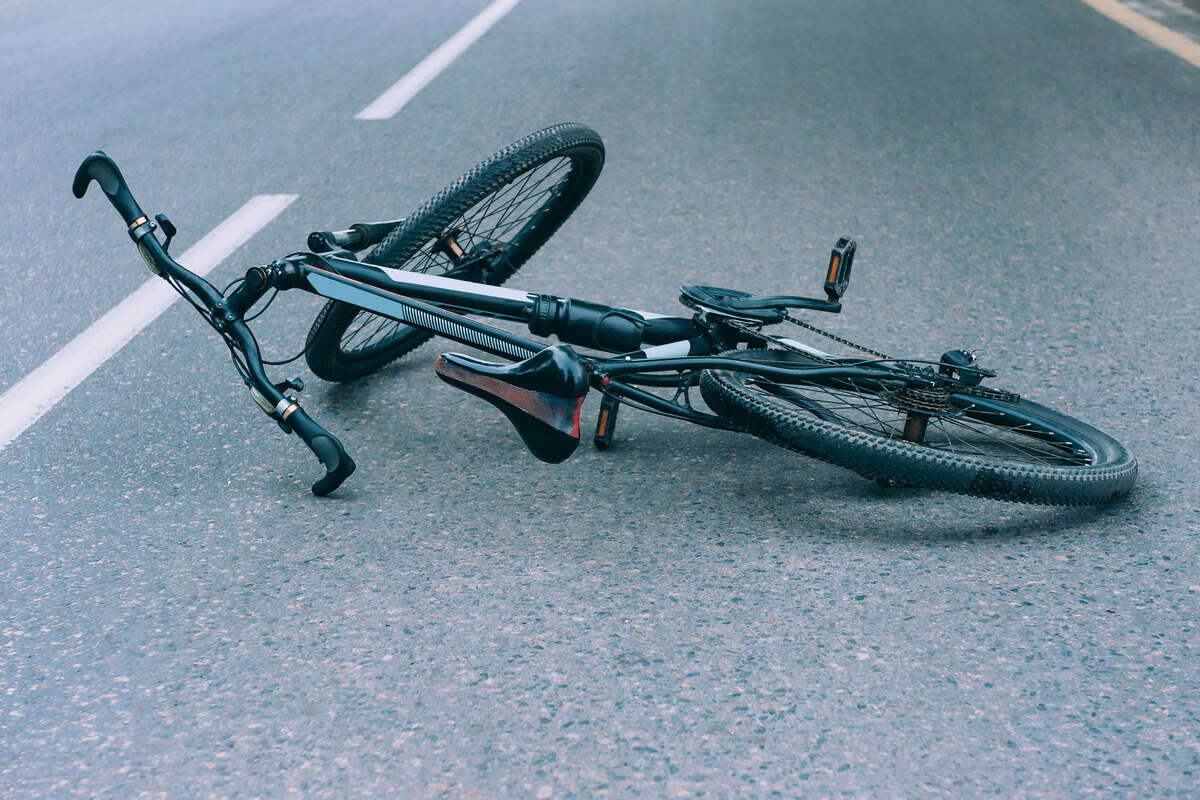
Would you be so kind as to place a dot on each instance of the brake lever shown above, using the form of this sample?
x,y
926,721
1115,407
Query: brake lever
x,y
167,228
290,385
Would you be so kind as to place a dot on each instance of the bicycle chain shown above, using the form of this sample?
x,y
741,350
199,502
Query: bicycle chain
x,y
834,337
756,333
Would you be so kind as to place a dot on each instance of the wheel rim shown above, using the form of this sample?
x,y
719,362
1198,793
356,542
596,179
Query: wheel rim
x,y
498,224
969,425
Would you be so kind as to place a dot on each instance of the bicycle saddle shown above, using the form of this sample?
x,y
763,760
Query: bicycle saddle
x,y
542,396
742,305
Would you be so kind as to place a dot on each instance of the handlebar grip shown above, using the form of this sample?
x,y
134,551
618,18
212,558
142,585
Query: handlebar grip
x,y
103,170
338,465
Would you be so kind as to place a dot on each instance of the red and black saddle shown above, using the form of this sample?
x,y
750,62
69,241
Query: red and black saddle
x,y
542,396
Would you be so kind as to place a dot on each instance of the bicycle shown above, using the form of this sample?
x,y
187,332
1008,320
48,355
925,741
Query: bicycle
x,y
899,421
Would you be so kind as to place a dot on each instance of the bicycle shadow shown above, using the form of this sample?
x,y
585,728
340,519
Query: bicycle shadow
x,y
928,516
746,476
837,503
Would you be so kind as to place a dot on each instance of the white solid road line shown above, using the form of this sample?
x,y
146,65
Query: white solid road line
x,y
1150,30
405,89
39,391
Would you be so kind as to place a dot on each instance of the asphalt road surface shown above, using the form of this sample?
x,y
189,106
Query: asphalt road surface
x,y
692,613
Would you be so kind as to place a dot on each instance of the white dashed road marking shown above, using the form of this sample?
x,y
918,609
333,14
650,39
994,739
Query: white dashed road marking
x,y
405,89
39,391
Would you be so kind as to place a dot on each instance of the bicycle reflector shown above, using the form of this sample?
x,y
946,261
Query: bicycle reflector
x,y
838,276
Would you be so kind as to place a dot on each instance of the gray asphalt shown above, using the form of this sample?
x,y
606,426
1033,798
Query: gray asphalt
x,y
692,613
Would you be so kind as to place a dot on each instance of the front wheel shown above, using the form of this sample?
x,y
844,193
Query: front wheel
x,y
481,228
987,444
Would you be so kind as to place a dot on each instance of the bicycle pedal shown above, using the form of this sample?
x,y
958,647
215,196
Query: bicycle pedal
x,y
606,422
837,277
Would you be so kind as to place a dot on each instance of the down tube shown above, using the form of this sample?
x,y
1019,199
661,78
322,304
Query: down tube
x,y
422,315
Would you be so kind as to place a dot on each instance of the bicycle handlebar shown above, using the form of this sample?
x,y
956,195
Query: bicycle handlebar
x,y
103,170
224,314
325,446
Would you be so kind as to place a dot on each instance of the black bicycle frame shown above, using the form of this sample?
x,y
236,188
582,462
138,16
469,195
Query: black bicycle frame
x,y
675,345
417,300
421,301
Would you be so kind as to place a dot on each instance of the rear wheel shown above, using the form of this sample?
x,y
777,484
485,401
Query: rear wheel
x,y
482,228
989,444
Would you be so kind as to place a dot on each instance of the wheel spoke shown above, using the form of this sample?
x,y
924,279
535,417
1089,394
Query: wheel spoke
x,y
970,430
500,219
